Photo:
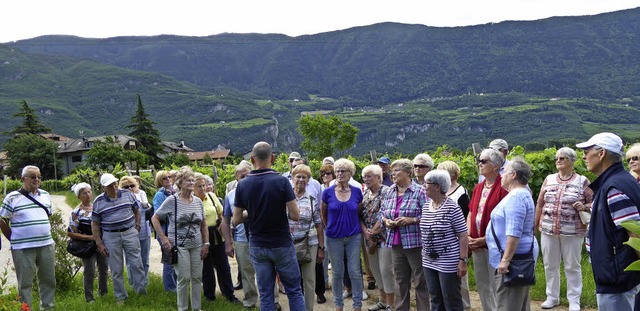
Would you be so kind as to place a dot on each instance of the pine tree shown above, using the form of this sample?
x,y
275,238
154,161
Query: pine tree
x,y
143,131
30,124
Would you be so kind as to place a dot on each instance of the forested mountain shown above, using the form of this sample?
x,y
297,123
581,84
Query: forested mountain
x,y
407,87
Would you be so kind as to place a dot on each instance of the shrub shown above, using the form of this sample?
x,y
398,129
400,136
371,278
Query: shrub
x,y
67,266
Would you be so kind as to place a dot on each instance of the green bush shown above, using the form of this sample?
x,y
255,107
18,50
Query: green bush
x,y
67,265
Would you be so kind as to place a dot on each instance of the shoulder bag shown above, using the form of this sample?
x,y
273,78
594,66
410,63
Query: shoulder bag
x,y
81,248
26,194
303,250
521,268
170,256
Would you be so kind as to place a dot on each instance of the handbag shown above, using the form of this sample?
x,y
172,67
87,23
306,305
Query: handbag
x,y
81,248
170,256
585,217
303,250
521,268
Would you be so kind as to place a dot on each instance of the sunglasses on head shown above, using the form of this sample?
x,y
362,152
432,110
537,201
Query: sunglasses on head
x,y
634,158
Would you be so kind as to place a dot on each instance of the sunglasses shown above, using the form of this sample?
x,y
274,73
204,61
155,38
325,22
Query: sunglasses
x,y
634,158
559,158
35,177
326,174
483,161
338,172
420,166
128,187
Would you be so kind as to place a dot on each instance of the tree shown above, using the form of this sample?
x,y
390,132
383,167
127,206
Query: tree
x,y
323,136
32,149
176,159
206,159
147,135
108,152
30,124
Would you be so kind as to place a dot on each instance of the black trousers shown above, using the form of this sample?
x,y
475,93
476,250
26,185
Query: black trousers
x,y
216,259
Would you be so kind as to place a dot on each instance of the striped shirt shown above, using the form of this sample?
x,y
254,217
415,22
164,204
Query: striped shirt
x,y
189,217
440,229
115,214
411,206
30,225
309,218
621,209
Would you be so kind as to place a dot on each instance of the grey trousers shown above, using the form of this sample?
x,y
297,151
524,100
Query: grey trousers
x,y
34,261
89,266
248,274
511,298
407,267
118,244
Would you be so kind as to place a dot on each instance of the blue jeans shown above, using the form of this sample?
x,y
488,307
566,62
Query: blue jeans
x,y
268,261
444,289
169,276
338,248
619,301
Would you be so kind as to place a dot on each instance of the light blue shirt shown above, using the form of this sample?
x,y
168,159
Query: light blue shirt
x,y
513,216
239,234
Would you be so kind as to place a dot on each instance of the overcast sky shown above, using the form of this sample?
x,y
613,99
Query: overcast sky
x,y
23,19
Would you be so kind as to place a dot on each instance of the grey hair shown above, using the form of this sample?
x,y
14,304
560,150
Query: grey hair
x,y
494,156
373,169
522,170
403,164
440,178
241,168
343,163
81,186
569,153
26,169
208,180
184,173
613,157
423,157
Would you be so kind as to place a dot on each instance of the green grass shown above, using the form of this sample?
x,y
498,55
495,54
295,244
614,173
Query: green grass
x,y
537,292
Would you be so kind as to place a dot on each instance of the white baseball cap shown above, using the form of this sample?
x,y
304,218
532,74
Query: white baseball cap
x,y
608,141
107,179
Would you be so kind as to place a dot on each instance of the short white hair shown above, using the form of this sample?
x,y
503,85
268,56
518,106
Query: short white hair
x,y
81,186
439,177
26,169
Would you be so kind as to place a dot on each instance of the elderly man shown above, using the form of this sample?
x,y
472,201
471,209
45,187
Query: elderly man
x,y
25,223
115,226
234,183
267,197
292,157
616,199
384,163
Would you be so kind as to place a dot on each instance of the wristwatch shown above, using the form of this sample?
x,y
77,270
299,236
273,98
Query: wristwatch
x,y
465,260
320,247
207,243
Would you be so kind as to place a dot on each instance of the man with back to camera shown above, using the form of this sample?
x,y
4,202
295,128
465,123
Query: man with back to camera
x,y
267,197
616,199
25,223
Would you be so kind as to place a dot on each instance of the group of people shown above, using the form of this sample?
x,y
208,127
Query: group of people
x,y
413,224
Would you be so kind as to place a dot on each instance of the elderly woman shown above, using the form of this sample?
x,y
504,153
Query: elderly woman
x,y
400,213
633,157
562,196
374,232
326,176
309,225
216,258
459,194
486,195
422,164
188,231
512,222
165,189
80,229
444,243
131,184
340,211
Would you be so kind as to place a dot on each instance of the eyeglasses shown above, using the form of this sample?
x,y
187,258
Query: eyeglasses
x,y
420,166
128,187
338,172
291,160
483,161
559,158
166,178
35,177
430,183
634,158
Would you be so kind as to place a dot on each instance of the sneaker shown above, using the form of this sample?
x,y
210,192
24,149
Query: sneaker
x,y
389,308
377,306
549,303
365,296
574,307
371,286
321,299
346,294
329,267
277,307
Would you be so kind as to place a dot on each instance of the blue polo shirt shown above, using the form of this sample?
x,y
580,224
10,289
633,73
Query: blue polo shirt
x,y
115,214
264,194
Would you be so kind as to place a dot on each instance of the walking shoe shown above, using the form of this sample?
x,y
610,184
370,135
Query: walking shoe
x,y
549,303
321,299
234,299
372,285
346,294
574,307
277,307
237,286
364,295
377,306
389,308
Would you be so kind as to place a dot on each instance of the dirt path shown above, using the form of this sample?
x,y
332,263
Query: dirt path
x,y
155,266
